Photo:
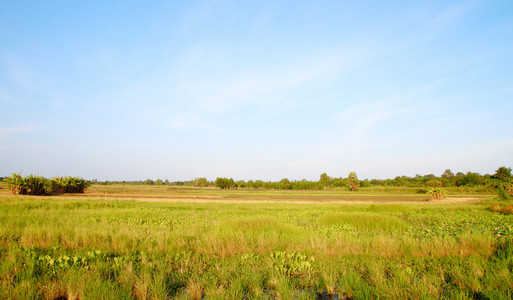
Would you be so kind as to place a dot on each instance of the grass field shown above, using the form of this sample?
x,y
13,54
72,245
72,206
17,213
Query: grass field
x,y
204,243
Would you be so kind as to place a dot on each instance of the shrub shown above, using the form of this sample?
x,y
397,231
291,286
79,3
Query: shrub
x,y
497,207
69,184
38,185
437,193
16,184
502,194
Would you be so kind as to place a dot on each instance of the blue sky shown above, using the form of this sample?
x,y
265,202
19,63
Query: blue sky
x,y
129,90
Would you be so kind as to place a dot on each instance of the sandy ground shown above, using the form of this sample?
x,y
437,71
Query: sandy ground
x,y
263,198
282,199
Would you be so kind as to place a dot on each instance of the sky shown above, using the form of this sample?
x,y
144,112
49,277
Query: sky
x,y
130,90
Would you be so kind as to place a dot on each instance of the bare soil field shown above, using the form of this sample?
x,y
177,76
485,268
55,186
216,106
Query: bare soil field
x,y
245,196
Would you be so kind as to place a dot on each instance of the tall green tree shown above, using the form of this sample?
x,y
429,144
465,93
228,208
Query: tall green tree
x,y
502,173
324,179
448,174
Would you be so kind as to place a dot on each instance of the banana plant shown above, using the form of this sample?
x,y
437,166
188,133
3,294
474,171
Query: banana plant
x,y
437,193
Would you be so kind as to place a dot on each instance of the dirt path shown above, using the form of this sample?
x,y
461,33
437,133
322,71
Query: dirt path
x,y
291,200
256,198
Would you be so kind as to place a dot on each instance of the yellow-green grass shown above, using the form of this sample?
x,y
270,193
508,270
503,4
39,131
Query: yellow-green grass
x,y
96,249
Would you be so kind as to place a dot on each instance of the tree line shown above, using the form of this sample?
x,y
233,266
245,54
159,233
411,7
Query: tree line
x,y
502,179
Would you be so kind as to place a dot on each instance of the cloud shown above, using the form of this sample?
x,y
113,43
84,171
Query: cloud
x,y
297,164
263,85
17,129
359,119
454,12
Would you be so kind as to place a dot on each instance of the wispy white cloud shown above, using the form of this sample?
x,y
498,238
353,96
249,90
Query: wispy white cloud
x,y
357,120
17,129
264,86
455,11
297,164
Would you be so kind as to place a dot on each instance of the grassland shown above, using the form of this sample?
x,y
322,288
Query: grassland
x,y
123,242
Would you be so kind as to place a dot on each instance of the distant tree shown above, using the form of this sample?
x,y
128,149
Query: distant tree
x,y
458,179
365,183
354,183
434,183
502,180
448,174
324,179
225,183
200,182
159,182
428,177
221,182
231,183
285,184
240,183
502,173
447,178
469,179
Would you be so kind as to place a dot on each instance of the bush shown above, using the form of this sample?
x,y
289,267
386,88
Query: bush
x,y
502,195
497,207
225,183
16,184
38,185
69,184
437,193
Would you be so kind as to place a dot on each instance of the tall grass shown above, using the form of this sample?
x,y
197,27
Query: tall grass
x,y
109,250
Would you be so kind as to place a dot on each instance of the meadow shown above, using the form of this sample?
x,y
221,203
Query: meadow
x,y
122,242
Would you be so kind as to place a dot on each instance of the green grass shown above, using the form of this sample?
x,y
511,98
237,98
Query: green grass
x,y
95,249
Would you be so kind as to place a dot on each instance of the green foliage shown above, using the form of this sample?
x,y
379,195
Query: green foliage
x,y
502,195
292,264
38,185
503,174
448,174
134,250
324,179
28,185
200,182
471,180
16,184
437,193
434,183
354,183
285,184
69,184
225,183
